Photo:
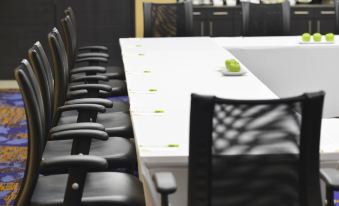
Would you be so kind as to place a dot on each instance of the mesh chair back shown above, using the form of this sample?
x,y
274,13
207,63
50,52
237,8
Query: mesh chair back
x,y
43,72
266,19
168,20
255,153
35,133
60,67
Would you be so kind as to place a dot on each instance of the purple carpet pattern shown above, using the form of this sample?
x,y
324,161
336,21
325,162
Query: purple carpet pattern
x,y
13,144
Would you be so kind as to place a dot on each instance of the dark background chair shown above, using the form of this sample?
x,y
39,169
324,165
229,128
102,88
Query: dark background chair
x,y
266,19
168,20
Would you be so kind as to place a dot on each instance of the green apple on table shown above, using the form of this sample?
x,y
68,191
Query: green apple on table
x,y
232,65
306,37
317,37
229,61
329,37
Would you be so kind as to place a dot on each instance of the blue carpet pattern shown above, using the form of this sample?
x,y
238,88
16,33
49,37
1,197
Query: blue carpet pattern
x,y
13,144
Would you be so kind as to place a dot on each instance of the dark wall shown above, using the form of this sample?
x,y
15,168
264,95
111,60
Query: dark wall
x,y
21,24
100,22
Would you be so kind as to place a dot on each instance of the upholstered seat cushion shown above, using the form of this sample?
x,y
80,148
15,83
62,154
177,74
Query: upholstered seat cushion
x,y
119,152
119,87
114,72
101,189
116,124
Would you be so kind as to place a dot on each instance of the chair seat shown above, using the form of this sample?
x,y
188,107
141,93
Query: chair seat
x,y
119,152
115,72
116,124
119,87
104,188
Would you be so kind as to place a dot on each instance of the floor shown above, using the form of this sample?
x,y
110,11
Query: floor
x,y
8,84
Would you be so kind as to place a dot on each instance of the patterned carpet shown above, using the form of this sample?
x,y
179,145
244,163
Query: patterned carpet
x,y
13,142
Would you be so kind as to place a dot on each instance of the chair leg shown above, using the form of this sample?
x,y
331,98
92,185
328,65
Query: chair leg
x,y
164,200
329,196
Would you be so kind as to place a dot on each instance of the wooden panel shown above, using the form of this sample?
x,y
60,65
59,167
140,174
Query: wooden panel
x,y
22,23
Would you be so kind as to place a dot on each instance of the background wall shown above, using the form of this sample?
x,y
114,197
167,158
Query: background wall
x,y
22,23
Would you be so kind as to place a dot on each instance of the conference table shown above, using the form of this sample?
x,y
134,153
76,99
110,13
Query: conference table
x,y
162,73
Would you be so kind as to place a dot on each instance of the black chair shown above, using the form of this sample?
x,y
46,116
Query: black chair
x,y
119,87
78,187
69,11
43,70
168,20
266,19
116,124
252,152
119,152
113,72
336,16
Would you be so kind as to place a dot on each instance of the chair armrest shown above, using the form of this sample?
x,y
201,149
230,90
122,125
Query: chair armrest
x,y
87,162
92,54
330,176
165,183
75,126
103,87
87,69
92,60
82,107
77,94
79,133
93,48
89,78
103,102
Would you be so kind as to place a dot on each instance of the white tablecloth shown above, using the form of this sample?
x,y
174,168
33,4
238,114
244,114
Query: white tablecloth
x,y
161,74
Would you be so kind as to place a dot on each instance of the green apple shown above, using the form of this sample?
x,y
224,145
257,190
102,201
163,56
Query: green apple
x,y
229,61
317,37
234,67
329,37
306,37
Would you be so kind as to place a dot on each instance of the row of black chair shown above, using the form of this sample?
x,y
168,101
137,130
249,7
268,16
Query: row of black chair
x,y
81,149
165,20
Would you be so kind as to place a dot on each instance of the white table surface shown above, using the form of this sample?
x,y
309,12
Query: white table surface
x,y
289,68
177,67
270,42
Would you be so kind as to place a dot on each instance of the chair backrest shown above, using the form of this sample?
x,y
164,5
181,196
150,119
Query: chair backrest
x,y
70,39
43,72
69,12
255,152
168,20
266,19
60,67
35,133
336,16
